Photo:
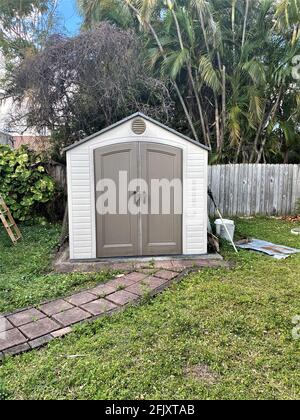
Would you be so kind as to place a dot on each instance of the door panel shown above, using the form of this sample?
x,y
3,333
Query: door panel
x,y
141,234
161,233
117,234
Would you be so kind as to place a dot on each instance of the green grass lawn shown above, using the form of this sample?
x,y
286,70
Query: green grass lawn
x,y
219,334
25,270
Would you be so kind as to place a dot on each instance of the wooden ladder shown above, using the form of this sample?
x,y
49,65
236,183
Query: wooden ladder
x,y
9,222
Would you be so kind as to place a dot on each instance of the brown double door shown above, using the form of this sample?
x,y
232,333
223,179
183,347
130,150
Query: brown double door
x,y
132,225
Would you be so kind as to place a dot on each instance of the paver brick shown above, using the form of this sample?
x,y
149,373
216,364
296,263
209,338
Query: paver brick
x,y
166,275
148,271
146,286
61,333
142,265
166,265
5,325
178,266
55,307
13,351
155,282
139,289
72,316
127,280
135,277
39,328
122,297
189,263
25,317
11,338
42,341
123,282
99,307
80,298
122,266
103,290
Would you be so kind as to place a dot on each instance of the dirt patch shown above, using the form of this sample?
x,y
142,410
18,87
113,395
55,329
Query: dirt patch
x,y
203,374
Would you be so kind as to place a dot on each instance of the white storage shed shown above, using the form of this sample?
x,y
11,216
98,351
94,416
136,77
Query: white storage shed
x,y
136,159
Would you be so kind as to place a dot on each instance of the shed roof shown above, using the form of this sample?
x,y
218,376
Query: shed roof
x,y
141,115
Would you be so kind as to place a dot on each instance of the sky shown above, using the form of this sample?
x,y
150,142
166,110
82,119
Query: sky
x,y
69,16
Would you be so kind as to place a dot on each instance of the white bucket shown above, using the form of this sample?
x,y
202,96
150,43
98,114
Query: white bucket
x,y
221,231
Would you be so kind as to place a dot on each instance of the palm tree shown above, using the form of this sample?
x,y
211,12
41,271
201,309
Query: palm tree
x,y
228,61
143,11
116,11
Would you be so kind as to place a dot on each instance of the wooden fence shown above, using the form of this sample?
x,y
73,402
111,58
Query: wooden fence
x,y
242,190
59,174
247,190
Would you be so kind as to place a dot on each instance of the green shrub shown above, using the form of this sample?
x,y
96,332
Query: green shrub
x,y
24,183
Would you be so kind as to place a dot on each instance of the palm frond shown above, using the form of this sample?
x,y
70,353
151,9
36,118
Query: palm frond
x,y
146,8
256,71
152,58
234,125
209,74
175,62
256,108
115,11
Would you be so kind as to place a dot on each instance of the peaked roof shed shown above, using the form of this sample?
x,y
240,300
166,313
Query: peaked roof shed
x,y
129,160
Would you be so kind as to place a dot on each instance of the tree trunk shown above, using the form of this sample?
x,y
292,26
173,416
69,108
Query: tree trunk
x,y
245,22
223,120
205,131
263,125
162,51
217,119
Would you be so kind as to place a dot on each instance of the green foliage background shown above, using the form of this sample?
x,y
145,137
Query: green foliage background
x,y
24,182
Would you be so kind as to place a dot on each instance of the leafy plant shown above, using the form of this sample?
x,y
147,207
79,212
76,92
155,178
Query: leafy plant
x,y
24,183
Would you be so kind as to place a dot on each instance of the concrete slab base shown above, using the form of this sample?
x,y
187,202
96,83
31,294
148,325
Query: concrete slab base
x,y
63,264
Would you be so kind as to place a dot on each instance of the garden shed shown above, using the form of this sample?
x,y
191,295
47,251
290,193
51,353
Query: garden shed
x,y
144,162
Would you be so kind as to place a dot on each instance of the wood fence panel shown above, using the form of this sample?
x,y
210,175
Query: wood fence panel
x,y
248,190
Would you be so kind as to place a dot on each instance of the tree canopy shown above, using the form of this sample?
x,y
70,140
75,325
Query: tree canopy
x,y
77,86
226,71
24,25
230,62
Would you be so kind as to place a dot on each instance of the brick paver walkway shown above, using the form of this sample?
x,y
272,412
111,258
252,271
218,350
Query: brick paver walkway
x,y
32,328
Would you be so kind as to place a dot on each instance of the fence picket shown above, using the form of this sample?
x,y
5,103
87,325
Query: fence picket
x,y
247,190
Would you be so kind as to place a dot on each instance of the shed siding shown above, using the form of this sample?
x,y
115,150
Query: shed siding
x,y
82,196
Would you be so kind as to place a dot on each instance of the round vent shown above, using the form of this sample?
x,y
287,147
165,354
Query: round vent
x,y
139,126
